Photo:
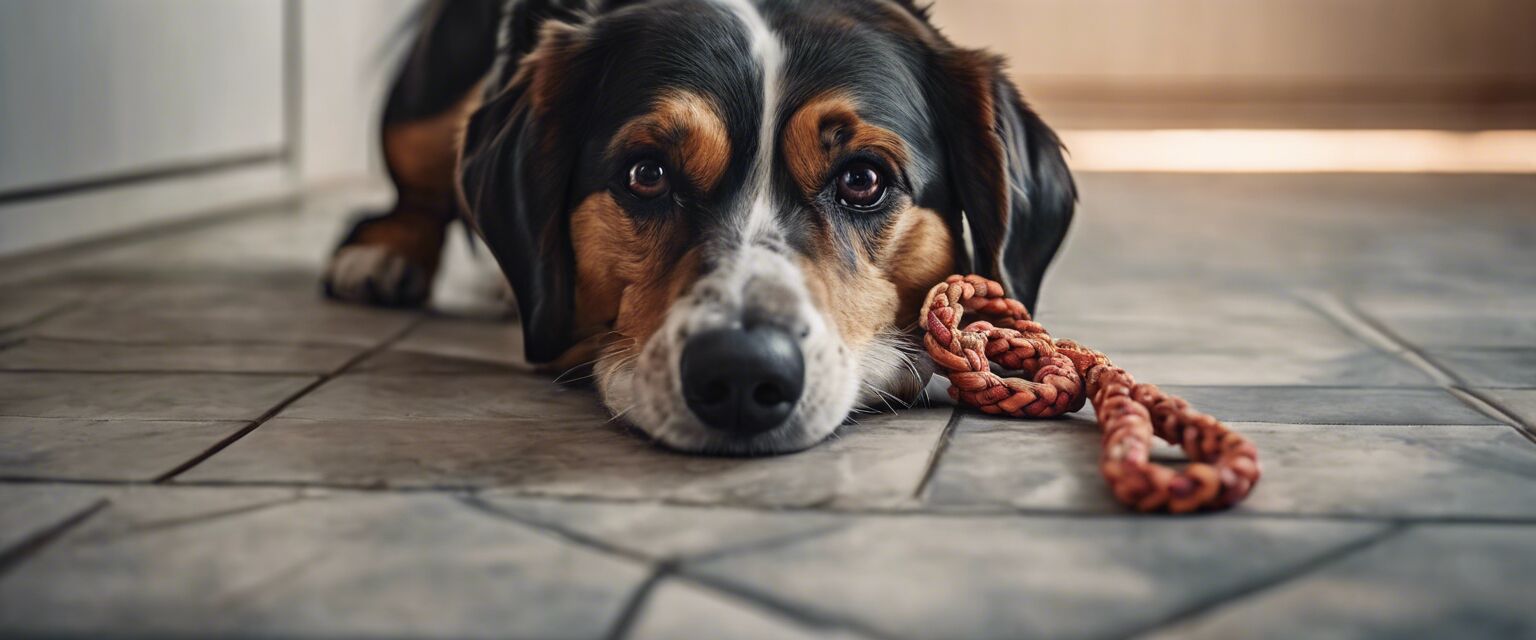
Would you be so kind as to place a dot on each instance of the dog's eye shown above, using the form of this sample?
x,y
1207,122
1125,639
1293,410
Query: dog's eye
x,y
860,186
648,179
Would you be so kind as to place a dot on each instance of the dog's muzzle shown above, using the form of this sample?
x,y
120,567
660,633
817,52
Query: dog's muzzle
x,y
743,381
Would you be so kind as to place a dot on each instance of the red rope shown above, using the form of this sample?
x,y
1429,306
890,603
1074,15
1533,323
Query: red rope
x,y
1223,466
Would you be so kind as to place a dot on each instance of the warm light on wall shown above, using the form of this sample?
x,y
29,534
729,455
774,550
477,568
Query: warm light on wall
x,y
1302,151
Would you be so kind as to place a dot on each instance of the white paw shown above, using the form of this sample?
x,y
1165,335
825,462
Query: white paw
x,y
371,274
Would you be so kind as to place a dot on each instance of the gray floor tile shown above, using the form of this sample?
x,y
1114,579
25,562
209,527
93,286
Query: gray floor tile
x,y
1469,330
67,448
1482,302
1118,334
21,305
1387,471
285,318
497,341
45,354
28,510
1395,471
678,609
1431,582
454,345
343,565
997,462
132,396
402,362
1176,297
1012,577
1501,367
448,397
878,462
663,531
1329,405
1279,367
1521,402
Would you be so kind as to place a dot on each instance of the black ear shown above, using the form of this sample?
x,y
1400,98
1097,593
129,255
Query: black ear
x,y
515,175
1007,173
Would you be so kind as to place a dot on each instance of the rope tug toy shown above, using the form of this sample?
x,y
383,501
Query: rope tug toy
x,y
1223,467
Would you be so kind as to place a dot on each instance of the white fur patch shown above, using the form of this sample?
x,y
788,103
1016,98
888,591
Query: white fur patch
x,y
768,51
371,273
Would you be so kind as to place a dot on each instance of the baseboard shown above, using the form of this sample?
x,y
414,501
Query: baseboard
x,y
41,224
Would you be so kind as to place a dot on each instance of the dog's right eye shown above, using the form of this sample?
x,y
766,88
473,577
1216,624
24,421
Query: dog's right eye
x,y
648,179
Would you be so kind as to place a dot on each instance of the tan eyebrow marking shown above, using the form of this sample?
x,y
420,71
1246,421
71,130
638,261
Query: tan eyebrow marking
x,y
828,126
687,127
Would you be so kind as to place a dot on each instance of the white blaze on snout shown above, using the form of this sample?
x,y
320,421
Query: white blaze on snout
x,y
768,51
758,285
753,281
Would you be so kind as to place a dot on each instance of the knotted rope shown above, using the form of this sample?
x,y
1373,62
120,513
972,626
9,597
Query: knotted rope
x,y
1223,467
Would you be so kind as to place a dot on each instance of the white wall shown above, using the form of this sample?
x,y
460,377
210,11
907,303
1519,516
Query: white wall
x,y
208,84
1458,64
118,114
350,49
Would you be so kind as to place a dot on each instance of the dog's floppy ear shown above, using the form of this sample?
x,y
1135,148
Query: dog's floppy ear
x,y
1006,171
516,168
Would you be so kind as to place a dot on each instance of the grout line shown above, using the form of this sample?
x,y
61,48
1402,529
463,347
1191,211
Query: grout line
x,y
813,619
1281,577
563,533
13,556
1368,328
674,567
985,512
166,524
1352,320
1491,406
639,599
939,449
272,413
45,316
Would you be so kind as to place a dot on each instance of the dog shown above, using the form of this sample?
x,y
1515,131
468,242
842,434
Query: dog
x,y
732,208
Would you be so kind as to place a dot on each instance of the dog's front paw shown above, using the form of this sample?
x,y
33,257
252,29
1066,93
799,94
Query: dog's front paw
x,y
376,275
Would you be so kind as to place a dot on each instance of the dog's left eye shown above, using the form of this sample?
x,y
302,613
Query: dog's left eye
x,y
860,186
648,179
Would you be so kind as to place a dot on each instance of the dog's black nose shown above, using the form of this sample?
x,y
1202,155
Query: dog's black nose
x,y
743,381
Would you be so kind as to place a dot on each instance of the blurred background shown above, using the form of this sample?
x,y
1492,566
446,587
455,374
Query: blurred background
x,y
118,116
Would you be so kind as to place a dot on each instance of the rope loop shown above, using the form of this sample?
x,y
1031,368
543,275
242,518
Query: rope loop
x,y
1005,363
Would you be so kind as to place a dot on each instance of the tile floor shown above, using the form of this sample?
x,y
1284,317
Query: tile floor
x,y
193,443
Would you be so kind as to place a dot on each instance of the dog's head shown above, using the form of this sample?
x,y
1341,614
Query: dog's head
x,y
737,206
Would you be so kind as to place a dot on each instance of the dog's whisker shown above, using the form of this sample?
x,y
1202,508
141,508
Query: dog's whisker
x,y
616,366
619,415
879,394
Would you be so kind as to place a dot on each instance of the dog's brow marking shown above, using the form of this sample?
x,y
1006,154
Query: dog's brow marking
x,y
769,52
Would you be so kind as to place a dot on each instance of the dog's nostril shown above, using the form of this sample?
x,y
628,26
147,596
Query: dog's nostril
x,y
768,394
743,380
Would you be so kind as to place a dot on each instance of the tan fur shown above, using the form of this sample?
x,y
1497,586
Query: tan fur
x,y
625,280
825,128
422,153
886,288
422,157
689,129
920,253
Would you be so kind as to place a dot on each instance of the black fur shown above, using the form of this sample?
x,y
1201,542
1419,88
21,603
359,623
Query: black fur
x,y
524,168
